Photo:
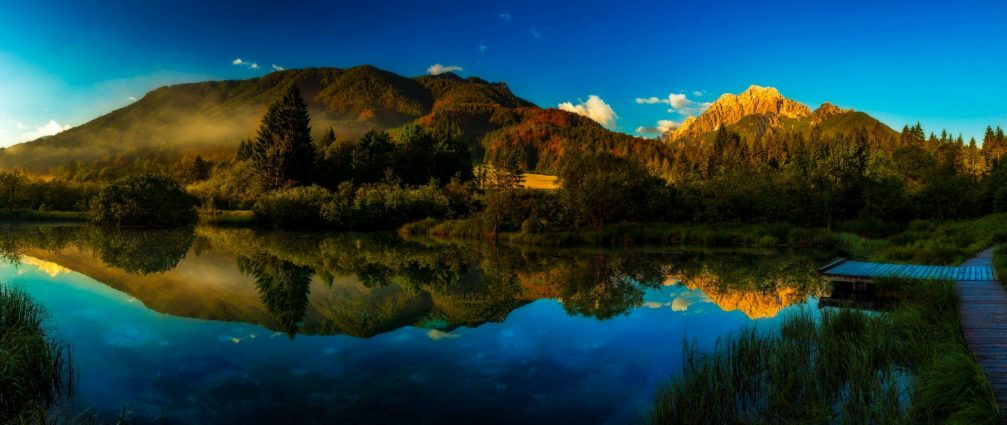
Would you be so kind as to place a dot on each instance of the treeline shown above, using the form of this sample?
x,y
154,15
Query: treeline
x,y
22,192
380,181
860,175
867,180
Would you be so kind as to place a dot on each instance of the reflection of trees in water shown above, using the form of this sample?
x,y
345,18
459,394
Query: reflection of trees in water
x,y
135,250
759,286
283,287
372,284
607,286
140,251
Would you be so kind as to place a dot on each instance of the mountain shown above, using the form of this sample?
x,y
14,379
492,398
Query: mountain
x,y
169,126
759,111
177,122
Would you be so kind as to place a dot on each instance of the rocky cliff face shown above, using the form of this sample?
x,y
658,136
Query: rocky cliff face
x,y
730,108
825,111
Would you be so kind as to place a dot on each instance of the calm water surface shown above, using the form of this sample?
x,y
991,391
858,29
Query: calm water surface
x,y
212,325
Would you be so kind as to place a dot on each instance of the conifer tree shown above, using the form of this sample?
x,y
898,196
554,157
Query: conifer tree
x,y
199,170
282,153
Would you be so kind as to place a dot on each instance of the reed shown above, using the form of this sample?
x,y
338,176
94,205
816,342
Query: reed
x,y
907,365
35,370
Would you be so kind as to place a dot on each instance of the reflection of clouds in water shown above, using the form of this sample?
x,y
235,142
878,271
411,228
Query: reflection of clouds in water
x,y
514,345
438,335
682,302
127,336
680,299
228,338
51,269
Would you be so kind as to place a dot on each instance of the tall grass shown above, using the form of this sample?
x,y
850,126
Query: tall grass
x,y
1000,262
35,371
909,365
946,243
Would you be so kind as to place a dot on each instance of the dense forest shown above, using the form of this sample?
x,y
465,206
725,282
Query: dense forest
x,y
866,178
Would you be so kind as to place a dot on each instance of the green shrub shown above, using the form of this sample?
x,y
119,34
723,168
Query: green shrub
x,y
144,200
385,206
297,207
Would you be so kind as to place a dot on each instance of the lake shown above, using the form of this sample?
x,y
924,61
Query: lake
x,y
214,325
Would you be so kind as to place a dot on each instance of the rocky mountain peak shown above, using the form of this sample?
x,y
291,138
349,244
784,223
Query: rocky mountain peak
x,y
825,111
730,108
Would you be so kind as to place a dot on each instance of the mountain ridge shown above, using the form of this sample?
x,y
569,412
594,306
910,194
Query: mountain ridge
x,y
759,111
167,127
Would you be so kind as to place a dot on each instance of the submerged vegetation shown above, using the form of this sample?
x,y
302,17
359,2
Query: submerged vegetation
x,y
35,370
907,365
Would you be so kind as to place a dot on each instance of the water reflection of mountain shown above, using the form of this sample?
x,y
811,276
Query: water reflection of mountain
x,y
363,285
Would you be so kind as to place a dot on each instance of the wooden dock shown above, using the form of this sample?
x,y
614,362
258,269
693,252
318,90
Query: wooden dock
x,y
982,305
861,271
983,313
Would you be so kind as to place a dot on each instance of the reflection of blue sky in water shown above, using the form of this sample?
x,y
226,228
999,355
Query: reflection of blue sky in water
x,y
539,365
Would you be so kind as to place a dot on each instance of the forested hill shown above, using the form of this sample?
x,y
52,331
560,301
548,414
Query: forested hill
x,y
167,128
171,125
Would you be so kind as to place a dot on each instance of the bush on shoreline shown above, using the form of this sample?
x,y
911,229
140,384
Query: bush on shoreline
x,y
144,200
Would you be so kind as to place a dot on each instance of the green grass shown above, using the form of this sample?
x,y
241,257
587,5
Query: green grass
x,y
35,370
947,243
908,365
1000,262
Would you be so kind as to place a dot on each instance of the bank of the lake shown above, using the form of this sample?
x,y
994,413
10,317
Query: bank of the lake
x,y
908,364
920,241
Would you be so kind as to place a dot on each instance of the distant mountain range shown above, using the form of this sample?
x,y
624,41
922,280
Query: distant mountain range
x,y
762,110
172,124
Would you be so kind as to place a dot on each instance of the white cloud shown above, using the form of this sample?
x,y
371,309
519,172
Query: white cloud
x,y
438,69
663,126
20,125
278,68
131,99
697,93
595,109
482,48
50,128
535,32
679,103
505,16
240,61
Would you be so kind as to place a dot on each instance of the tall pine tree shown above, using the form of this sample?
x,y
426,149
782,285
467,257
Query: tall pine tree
x,y
282,153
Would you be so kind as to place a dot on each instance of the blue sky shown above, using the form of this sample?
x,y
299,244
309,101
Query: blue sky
x,y
942,63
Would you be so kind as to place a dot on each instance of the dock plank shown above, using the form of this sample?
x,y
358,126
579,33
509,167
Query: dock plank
x,y
983,316
982,312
